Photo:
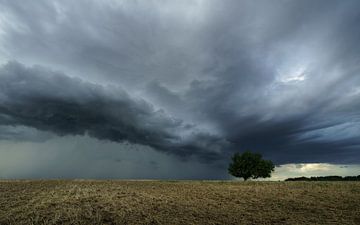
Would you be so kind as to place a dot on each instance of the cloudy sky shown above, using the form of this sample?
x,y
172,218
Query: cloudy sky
x,y
171,89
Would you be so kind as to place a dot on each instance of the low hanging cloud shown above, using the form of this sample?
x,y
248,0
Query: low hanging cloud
x,y
50,101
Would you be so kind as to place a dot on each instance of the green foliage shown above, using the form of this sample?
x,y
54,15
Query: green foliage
x,y
250,165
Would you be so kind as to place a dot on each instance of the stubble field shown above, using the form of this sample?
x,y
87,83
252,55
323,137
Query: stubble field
x,y
178,202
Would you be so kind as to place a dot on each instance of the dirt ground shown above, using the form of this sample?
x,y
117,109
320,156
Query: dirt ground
x,y
178,202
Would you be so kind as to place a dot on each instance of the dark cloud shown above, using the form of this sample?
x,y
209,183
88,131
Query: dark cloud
x,y
51,101
203,78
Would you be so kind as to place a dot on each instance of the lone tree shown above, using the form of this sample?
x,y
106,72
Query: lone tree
x,y
250,165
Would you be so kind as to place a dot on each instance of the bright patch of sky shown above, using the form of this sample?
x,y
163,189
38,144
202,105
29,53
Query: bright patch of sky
x,y
296,74
314,169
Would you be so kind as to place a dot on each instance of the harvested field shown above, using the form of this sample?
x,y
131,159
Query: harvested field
x,y
178,202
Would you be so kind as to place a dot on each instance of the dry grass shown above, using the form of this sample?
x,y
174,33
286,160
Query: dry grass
x,y
182,202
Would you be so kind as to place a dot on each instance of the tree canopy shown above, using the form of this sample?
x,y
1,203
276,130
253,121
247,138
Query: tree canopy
x,y
250,165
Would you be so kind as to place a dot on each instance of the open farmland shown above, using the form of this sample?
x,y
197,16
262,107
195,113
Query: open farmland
x,y
178,202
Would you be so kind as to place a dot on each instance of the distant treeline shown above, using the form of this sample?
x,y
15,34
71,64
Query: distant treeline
x,y
326,178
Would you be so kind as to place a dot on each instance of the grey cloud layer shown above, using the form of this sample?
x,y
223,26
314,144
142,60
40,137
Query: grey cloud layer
x,y
50,101
279,77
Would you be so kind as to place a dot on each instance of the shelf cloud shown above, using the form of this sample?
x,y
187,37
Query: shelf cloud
x,y
49,101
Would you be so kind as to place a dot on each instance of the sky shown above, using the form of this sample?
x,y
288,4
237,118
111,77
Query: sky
x,y
172,89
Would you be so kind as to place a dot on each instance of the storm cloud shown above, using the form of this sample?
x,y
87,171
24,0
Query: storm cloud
x,y
51,101
193,78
